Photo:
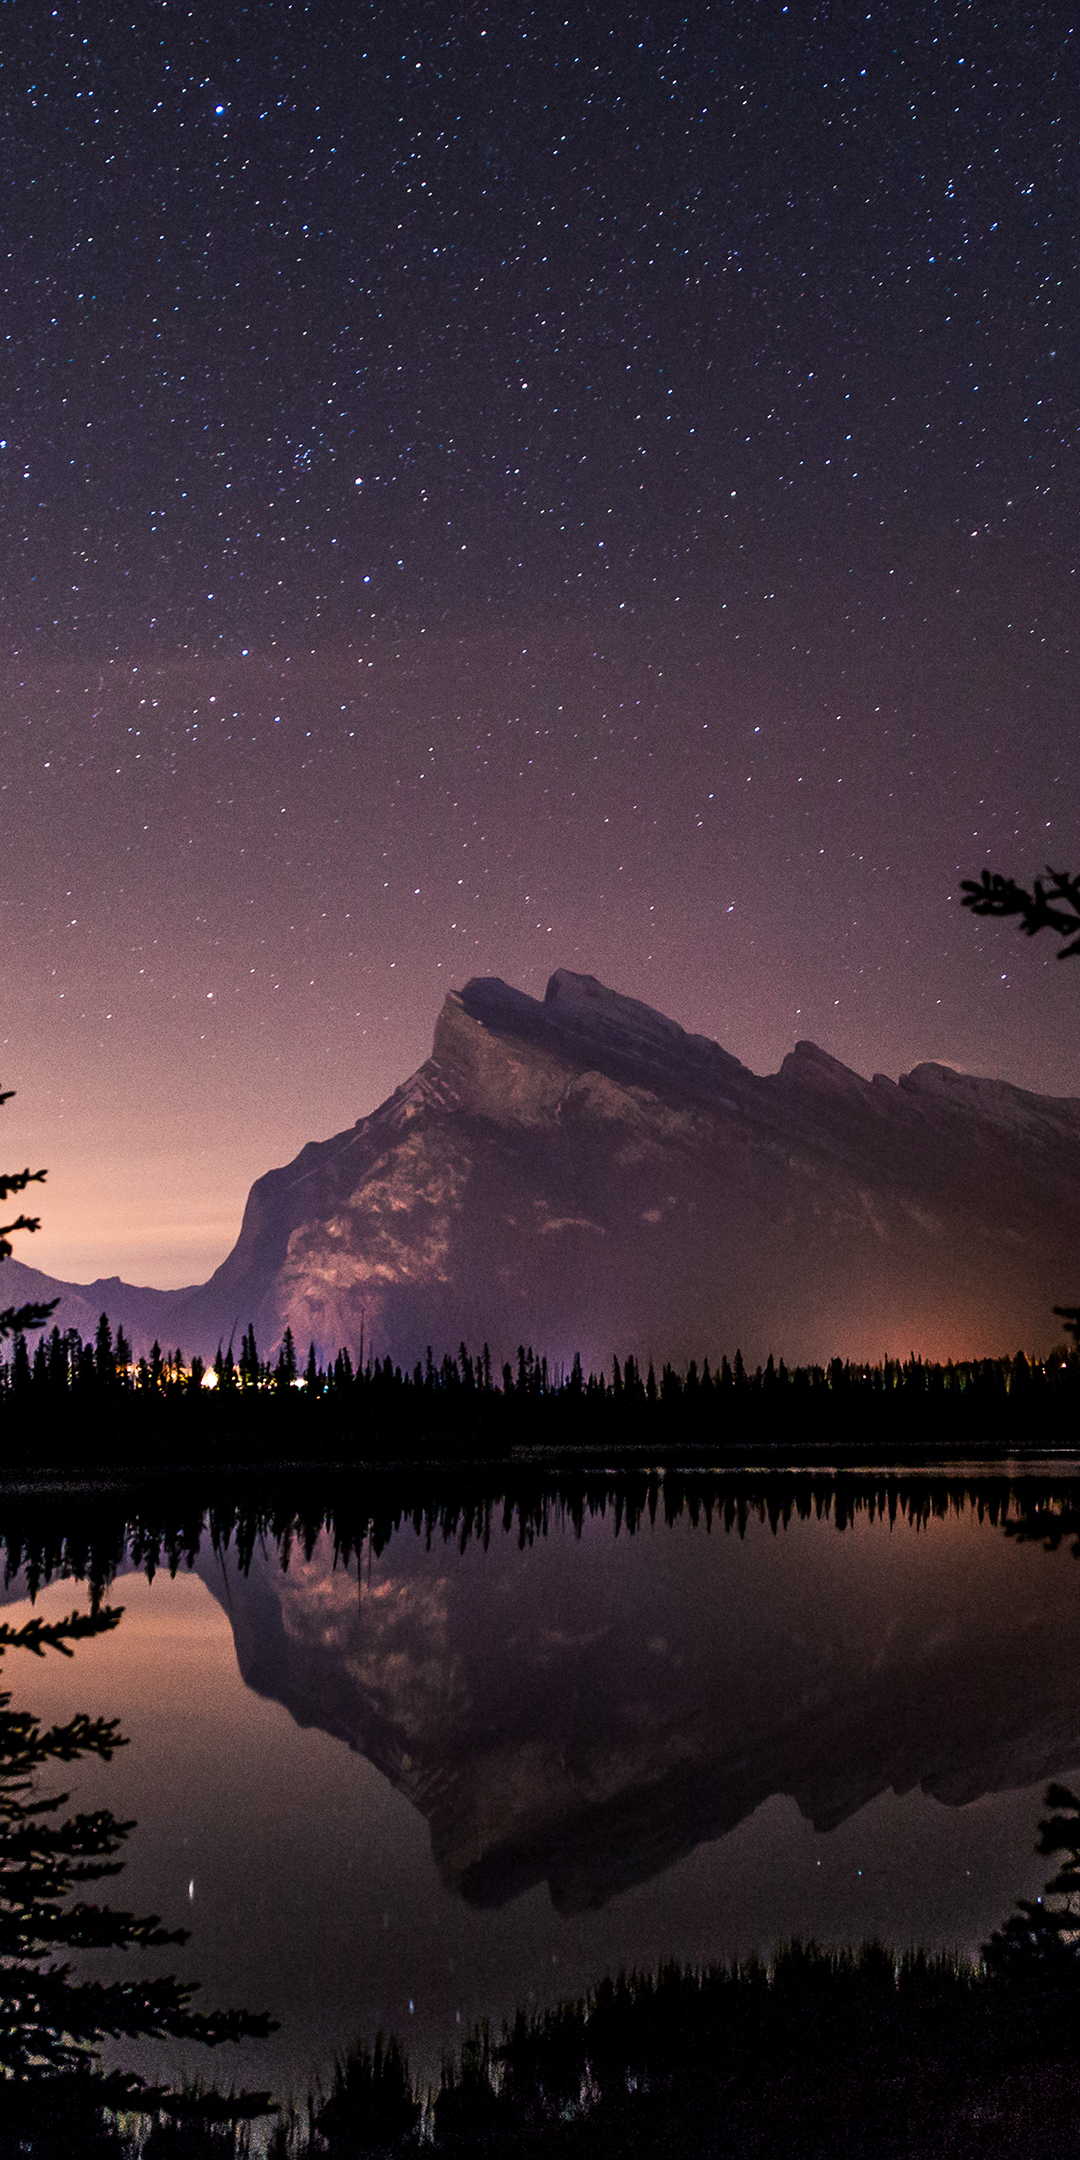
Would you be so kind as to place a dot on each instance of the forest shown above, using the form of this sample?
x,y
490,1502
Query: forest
x,y
71,1404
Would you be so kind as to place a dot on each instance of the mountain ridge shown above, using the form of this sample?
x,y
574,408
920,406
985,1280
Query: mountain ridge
x,y
580,1172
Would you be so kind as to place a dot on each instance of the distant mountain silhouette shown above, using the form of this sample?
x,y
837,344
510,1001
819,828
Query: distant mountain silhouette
x,y
579,1173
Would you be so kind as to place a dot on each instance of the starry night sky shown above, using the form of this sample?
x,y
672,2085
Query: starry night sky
x,y
491,489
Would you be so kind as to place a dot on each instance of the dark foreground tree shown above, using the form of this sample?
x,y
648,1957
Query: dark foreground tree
x,y
15,1319
53,2022
1053,907
1042,1937
372,2107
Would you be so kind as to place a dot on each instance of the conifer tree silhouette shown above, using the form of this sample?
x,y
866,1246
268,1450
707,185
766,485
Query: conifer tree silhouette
x,y
372,2107
1042,1936
15,1319
1055,907
52,2024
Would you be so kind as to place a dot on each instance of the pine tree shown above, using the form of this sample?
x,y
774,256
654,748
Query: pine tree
x,y
373,2105
15,1318
250,1370
1042,1936
1055,908
285,1369
52,2025
104,1355
58,1362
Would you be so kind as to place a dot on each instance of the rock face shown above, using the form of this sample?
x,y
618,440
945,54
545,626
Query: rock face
x,y
579,1173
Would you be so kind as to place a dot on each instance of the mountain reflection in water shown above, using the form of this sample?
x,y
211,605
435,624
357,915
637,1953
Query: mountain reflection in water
x,y
586,1709
624,1719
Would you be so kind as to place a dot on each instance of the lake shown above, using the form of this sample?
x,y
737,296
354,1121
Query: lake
x,y
416,1782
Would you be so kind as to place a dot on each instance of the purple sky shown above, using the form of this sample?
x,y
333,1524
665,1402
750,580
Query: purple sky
x,y
489,491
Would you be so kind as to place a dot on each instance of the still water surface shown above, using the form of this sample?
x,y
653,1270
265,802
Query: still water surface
x,y
423,1786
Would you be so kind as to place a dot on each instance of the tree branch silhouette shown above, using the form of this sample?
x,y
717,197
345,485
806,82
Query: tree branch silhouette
x,y
1055,907
52,2021
15,1319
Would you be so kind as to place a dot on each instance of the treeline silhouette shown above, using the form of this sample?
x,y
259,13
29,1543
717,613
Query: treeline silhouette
x,y
861,2052
49,1534
76,1403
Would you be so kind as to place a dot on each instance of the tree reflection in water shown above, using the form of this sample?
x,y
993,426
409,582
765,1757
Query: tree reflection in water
x,y
865,2032
165,1523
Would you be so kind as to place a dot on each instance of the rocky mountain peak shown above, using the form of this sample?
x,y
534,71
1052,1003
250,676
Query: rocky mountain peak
x,y
580,1172
582,1023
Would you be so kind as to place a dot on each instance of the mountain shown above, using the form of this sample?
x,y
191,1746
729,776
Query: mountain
x,y
579,1173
